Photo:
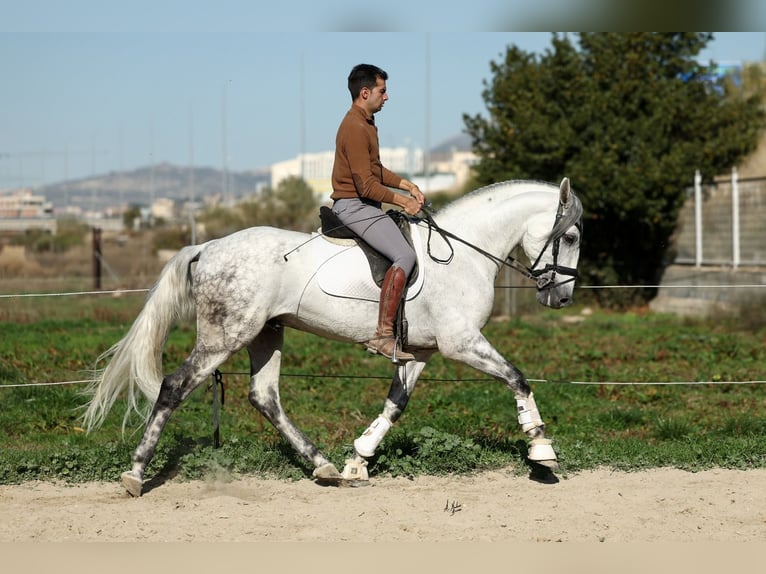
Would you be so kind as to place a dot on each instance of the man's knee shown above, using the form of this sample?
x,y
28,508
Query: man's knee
x,y
406,262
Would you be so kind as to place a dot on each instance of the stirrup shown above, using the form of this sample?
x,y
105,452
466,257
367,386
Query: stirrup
x,y
377,345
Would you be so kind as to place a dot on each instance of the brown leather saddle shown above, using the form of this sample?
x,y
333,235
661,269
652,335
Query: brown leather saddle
x,y
379,263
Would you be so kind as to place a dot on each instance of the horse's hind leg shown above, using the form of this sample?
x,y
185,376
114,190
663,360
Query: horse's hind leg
x,y
402,385
174,390
265,360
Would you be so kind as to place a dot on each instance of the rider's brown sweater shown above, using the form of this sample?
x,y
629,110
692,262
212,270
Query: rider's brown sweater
x,y
357,171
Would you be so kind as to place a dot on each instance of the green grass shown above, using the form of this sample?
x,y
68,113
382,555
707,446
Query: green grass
x,y
457,421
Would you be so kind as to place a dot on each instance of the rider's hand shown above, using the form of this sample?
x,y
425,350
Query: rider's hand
x,y
414,202
417,194
412,205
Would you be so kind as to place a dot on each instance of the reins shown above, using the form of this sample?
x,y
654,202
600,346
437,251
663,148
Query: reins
x,y
447,235
536,275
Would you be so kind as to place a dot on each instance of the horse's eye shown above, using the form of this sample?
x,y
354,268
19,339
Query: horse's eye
x,y
570,239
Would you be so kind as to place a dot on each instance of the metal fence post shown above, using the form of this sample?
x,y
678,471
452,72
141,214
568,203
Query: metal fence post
x,y
735,255
697,218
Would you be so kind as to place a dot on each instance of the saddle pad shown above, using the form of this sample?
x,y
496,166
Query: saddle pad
x,y
343,271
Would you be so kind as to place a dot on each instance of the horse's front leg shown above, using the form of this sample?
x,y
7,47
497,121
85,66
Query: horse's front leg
x,y
265,361
402,385
478,353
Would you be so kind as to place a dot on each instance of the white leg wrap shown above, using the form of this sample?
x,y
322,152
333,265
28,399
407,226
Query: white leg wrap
x,y
540,449
355,469
529,416
366,444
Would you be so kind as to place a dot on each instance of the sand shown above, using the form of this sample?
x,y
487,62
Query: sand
x,y
662,505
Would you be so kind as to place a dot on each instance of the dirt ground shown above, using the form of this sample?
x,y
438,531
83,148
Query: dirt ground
x,y
663,505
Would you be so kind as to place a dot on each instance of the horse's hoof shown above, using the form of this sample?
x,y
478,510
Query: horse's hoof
x,y
327,474
541,452
132,483
355,472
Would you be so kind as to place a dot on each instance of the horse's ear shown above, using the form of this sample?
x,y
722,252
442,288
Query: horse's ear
x,y
564,191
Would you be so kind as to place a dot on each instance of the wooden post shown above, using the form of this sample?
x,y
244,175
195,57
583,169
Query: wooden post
x,y
96,259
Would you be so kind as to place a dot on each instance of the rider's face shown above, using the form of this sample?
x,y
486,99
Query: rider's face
x,y
375,97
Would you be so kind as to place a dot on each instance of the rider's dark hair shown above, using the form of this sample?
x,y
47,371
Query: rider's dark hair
x,y
364,76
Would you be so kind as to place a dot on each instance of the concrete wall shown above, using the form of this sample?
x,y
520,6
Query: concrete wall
x,y
703,291
717,284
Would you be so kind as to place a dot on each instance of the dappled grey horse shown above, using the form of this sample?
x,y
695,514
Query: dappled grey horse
x,y
246,288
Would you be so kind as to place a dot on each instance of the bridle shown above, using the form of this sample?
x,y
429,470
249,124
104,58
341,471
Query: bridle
x,y
543,281
554,268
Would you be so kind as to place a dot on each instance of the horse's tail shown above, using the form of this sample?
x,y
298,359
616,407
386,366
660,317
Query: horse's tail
x,y
135,362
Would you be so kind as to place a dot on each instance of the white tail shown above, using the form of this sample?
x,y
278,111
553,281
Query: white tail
x,y
135,362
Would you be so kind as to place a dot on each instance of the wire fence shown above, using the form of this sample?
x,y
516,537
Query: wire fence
x,y
382,377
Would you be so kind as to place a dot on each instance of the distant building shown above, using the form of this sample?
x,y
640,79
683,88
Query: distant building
x,y
316,169
21,210
163,208
23,203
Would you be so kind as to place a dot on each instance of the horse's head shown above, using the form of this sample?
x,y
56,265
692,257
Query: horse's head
x,y
552,243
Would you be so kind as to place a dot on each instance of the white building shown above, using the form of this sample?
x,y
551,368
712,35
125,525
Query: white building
x,y
22,210
23,203
316,168
163,208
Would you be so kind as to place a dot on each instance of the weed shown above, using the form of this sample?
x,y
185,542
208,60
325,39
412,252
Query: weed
x,y
672,428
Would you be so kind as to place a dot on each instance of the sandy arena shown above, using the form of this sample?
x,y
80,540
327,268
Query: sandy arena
x,y
597,506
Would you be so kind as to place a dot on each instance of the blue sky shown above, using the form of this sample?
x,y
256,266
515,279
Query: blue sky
x,y
82,97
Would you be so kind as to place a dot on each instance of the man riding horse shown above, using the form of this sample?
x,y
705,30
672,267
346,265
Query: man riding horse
x,y
360,185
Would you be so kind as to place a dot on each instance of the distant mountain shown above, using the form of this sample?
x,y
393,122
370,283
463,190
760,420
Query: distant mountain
x,y
140,186
460,142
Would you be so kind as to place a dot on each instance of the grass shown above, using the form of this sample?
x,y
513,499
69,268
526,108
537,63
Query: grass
x,y
458,420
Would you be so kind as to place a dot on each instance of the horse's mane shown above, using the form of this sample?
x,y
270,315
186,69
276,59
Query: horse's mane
x,y
572,214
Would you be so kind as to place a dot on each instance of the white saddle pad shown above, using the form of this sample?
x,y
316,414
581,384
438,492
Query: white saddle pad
x,y
343,270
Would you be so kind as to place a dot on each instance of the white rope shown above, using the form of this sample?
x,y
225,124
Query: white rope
x,y
670,286
743,286
120,291
21,295
43,384
626,383
604,383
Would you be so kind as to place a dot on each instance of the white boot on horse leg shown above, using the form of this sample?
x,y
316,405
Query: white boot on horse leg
x,y
364,447
355,472
366,444
540,449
